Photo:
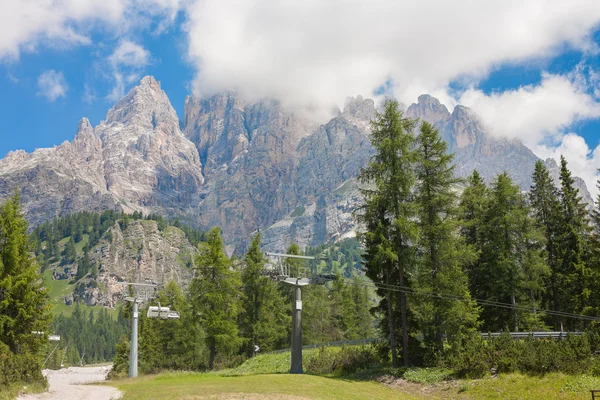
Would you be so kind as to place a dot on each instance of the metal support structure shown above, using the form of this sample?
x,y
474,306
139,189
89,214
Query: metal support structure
x,y
133,347
133,350
283,275
296,367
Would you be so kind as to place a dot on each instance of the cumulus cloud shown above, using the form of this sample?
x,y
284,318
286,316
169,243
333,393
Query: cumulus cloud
x,y
27,25
320,51
52,85
534,113
126,63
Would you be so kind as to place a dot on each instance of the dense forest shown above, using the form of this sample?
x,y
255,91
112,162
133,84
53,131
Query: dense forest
x,y
86,337
448,264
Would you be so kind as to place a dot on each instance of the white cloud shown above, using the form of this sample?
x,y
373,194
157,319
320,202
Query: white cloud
x,y
52,85
534,114
126,63
28,24
129,54
320,51
541,116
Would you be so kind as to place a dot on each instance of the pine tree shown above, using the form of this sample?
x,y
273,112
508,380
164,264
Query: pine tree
x,y
23,297
388,215
361,298
545,206
83,266
69,253
214,293
472,210
264,318
510,263
574,229
442,253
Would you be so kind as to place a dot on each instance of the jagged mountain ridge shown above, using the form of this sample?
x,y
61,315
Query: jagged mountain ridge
x,y
241,165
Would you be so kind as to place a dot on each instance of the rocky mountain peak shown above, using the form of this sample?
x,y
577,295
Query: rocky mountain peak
x,y
146,105
429,109
358,107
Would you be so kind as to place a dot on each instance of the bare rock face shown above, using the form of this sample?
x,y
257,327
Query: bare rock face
x,y
147,160
138,253
137,159
472,146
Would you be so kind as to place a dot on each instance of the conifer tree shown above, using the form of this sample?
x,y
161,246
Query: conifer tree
x,y
388,216
69,253
214,293
442,253
264,319
472,210
545,207
510,264
24,306
574,230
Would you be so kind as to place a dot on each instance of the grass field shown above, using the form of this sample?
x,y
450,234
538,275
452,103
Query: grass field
x,y
292,387
295,387
265,377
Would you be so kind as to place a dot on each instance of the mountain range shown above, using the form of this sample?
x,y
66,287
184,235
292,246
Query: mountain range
x,y
244,166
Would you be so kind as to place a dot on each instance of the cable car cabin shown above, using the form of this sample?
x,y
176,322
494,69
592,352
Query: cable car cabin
x,y
162,313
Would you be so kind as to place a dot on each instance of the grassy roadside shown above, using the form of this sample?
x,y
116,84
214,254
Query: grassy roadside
x,y
18,389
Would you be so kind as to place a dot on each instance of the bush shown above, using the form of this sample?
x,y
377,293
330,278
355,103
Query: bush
x,y
428,375
470,358
341,361
474,356
22,368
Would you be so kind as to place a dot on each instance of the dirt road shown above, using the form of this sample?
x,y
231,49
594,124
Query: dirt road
x,y
68,384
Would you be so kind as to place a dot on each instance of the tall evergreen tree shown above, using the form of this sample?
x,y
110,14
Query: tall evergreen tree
x,y
442,253
472,209
574,225
388,215
509,263
214,293
264,319
24,307
545,206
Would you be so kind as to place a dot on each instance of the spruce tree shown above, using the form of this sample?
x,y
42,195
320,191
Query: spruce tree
x,y
510,262
574,229
214,293
24,307
442,253
545,207
69,253
388,216
264,319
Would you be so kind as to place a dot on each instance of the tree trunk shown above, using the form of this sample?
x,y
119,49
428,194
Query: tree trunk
x,y
403,313
213,352
392,328
516,317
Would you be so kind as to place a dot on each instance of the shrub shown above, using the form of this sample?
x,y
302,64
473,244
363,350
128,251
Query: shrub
x,y
428,375
23,368
341,361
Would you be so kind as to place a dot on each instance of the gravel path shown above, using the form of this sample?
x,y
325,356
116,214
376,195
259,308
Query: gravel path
x,y
68,384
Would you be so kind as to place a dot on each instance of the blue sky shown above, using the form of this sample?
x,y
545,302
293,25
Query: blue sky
x,y
530,69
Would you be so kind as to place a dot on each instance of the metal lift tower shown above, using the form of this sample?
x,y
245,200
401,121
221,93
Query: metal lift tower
x,y
282,274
